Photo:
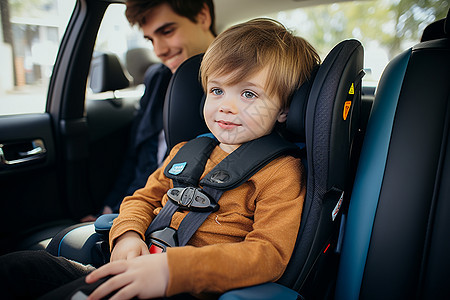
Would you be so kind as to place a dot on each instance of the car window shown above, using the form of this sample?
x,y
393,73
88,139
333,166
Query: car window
x,y
117,36
29,39
385,27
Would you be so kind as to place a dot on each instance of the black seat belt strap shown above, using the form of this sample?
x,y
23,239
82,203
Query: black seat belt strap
x,y
163,219
194,220
183,163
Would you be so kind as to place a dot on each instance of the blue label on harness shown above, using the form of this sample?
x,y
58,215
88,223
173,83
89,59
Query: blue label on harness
x,y
177,168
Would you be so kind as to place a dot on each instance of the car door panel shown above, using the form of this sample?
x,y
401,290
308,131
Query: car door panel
x,y
29,188
84,144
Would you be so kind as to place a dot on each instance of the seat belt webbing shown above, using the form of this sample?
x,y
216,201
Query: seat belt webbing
x,y
163,219
193,220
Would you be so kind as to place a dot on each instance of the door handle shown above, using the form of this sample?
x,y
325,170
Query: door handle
x,y
17,153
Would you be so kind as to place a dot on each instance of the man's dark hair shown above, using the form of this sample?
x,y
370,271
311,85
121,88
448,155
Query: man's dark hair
x,y
137,10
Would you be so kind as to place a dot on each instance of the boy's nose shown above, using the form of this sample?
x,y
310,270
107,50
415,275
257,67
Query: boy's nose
x,y
228,105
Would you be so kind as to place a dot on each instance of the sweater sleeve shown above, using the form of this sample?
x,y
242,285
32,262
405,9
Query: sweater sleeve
x,y
264,253
137,211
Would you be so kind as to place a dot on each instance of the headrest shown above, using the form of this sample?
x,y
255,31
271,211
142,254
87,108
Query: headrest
x,y
333,112
295,123
437,30
138,60
107,74
183,118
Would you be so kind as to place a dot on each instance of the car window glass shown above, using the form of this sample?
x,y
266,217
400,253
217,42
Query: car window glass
x,y
116,36
385,27
30,34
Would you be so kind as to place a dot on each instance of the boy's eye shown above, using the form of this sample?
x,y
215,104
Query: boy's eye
x,y
248,95
216,91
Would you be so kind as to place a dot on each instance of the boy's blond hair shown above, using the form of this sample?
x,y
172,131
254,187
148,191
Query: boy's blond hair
x,y
247,48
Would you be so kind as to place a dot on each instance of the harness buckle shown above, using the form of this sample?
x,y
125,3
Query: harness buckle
x,y
192,198
160,240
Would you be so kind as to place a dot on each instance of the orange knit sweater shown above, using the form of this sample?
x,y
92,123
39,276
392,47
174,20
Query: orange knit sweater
x,y
248,241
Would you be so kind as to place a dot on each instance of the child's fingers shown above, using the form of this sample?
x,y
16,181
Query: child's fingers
x,y
127,292
109,286
106,270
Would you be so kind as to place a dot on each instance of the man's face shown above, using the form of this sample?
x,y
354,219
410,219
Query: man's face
x,y
176,38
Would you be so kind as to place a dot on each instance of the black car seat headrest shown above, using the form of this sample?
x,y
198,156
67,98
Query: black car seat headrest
x,y
333,111
183,119
295,122
437,30
107,74
138,60
331,122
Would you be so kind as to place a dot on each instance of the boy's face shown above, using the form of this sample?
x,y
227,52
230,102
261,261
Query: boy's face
x,y
176,38
239,113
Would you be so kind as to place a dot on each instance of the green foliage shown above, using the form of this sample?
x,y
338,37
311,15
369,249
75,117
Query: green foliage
x,y
393,24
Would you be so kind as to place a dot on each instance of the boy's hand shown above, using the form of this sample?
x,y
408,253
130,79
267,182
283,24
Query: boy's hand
x,y
143,277
129,245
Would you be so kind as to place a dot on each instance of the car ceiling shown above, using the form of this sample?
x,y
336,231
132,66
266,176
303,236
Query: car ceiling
x,y
229,12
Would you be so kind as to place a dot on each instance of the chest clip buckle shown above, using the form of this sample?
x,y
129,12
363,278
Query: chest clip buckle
x,y
192,198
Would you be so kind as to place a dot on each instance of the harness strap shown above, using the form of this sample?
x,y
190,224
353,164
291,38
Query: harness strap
x,y
194,219
163,219
191,167
246,160
188,165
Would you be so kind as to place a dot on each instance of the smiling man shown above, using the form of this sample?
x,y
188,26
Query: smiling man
x,y
178,30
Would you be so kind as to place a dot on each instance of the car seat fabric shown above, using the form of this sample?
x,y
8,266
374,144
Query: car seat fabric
x,y
396,243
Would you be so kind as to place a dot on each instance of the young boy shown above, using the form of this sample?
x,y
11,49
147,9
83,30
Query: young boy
x,y
249,73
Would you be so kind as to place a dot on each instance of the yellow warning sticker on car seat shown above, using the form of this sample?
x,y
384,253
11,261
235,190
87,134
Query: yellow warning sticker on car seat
x,y
347,106
351,91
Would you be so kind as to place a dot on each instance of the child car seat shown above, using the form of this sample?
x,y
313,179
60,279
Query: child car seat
x,y
327,122
323,115
396,243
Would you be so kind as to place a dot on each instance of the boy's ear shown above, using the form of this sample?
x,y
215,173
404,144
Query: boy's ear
x,y
204,17
282,116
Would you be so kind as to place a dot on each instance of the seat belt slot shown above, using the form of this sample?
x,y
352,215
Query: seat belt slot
x,y
193,199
